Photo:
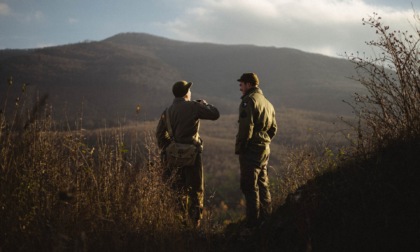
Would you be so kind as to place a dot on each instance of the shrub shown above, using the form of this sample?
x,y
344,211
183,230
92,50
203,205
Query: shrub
x,y
391,108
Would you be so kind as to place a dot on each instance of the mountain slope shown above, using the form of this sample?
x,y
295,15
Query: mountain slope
x,y
109,78
368,204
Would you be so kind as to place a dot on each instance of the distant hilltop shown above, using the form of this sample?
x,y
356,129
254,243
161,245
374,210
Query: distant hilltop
x,y
111,77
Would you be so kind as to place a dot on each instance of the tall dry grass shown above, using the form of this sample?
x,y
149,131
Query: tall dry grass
x,y
78,190
305,163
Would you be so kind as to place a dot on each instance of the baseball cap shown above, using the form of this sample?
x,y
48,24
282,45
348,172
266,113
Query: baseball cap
x,y
180,88
249,77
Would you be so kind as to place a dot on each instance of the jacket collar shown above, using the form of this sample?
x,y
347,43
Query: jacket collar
x,y
251,91
179,99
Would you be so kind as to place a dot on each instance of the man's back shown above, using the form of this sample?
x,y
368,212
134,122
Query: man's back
x,y
187,178
185,119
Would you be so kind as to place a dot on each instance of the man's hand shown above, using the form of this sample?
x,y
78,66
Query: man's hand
x,y
204,102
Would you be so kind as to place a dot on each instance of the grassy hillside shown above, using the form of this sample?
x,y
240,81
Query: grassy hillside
x,y
299,131
368,204
102,188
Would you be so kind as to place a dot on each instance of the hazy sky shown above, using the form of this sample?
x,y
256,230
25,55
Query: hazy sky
x,y
329,27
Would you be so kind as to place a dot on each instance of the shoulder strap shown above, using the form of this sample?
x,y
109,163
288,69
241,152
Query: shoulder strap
x,y
168,124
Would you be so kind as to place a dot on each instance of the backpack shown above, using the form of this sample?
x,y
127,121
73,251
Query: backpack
x,y
179,154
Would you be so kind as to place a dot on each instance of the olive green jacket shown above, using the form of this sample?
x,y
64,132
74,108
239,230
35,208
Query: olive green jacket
x,y
257,122
185,122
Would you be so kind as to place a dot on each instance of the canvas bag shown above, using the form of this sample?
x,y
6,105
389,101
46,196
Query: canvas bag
x,y
178,154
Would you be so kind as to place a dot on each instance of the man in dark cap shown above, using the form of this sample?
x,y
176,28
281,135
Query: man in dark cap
x,y
257,127
184,116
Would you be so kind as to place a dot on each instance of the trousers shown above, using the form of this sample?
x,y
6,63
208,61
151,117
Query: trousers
x,y
188,183
254,185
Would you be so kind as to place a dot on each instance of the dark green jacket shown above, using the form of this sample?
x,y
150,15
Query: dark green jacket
x,y
257,122
185,121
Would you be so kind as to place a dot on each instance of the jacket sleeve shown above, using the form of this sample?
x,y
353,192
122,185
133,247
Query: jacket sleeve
x,y
207,112
246,126
272,131
162,134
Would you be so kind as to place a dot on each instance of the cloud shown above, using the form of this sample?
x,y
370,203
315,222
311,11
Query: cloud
x,y
323,26
4,9
73,21
35,16
38,15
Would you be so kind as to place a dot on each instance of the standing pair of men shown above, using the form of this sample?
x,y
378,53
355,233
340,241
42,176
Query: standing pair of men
x,y
257,126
